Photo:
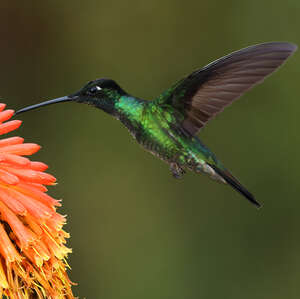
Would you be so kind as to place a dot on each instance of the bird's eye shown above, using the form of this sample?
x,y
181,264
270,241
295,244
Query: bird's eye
x,y
94,89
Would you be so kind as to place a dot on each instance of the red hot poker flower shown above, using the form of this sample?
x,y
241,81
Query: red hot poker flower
x,y
32,251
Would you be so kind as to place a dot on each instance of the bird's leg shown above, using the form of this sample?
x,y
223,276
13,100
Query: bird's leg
x,y
177,171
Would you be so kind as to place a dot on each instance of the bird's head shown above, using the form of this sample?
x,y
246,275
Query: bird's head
x,y
101,93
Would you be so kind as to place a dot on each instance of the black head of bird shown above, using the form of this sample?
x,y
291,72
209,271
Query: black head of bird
x,y
101,93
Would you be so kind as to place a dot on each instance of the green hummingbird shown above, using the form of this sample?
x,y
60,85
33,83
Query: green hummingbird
x,y
168,126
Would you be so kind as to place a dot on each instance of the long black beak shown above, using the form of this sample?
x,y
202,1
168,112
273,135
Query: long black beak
x,y
54,101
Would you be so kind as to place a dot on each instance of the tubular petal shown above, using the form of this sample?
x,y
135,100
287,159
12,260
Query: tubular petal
x,y
59,250
14,159
39,166
2,106
9,126
8,178
37,194
35,208
7,249
32,176
13,204
36,186
5,115
35,227
25,149
11,141
55,222
24,235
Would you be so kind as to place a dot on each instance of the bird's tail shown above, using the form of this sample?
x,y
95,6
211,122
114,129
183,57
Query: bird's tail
x,y
234,183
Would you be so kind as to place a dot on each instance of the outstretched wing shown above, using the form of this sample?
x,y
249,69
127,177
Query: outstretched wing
x,y
207,91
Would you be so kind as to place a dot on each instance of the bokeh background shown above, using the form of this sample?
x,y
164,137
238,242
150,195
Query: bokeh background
x,y
137,232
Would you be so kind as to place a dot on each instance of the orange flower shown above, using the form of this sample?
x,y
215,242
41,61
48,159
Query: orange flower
x,y
32,251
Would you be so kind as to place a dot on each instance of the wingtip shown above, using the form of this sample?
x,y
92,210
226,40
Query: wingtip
x,y
294,47
290,46
281,46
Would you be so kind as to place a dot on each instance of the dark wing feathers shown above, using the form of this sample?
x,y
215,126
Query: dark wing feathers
x,y
206,92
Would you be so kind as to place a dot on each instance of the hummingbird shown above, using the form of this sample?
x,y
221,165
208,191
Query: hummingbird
x,y
168,126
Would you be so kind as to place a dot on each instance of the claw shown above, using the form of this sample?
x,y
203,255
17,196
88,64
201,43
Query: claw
x,y
177,171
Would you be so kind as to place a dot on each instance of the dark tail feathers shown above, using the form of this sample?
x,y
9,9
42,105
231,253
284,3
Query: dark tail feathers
x,y
233,182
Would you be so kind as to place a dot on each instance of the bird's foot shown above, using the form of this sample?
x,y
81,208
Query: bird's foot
x,y
176,171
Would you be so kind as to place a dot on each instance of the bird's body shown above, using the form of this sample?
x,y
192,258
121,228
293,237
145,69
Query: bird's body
x,y
156,129
167,126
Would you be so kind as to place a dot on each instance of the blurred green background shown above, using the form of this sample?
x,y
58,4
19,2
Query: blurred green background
x,y
137,232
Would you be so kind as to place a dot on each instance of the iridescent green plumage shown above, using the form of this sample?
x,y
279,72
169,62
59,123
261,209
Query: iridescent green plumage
x,y
167,126
157,129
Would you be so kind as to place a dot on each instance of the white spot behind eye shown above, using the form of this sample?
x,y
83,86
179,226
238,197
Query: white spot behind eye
x,y
95,89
